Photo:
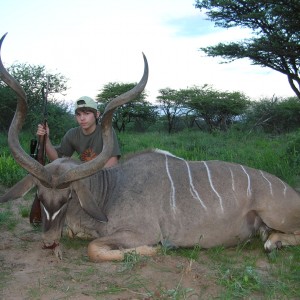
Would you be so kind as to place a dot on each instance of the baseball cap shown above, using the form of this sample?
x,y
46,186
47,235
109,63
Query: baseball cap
x,y
85,101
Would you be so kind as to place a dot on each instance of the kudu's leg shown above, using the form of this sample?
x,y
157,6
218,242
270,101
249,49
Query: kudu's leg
x,y
277,240
264,231
281,213
99,252
113,248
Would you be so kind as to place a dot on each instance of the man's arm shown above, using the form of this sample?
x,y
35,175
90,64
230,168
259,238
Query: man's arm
x,y
50,150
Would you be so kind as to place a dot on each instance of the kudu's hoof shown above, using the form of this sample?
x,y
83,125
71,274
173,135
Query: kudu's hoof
x,y
270,246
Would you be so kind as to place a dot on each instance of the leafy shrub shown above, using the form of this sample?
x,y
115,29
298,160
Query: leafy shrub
x,y
274,115
10,171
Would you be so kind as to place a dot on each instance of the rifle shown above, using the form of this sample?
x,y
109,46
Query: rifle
x,y
38,152
41,147
38,148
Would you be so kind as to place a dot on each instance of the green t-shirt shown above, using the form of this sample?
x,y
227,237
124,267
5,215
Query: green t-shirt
x,y
86,146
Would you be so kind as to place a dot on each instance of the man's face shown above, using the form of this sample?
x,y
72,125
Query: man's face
x,y
86,118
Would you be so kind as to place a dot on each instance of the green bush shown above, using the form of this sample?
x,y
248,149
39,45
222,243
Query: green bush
x,y
10,171
293,151
275,115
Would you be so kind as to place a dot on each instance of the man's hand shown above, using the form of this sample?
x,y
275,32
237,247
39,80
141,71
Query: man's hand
x,y
41,131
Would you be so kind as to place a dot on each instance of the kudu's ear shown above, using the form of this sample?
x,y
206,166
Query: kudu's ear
x,y
88,202
20,189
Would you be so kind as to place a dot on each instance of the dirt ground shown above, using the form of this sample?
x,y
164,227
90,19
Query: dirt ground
x,y
29,272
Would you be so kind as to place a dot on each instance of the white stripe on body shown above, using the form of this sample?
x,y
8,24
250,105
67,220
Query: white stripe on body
x,y
212,186
249,182
165,153
285,187
193,191
192,188
270,184
172,193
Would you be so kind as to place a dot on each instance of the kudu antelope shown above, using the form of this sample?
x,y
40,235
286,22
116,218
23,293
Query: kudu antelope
x,y
152,197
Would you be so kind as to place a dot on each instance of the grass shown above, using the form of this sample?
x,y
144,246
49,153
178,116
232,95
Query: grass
x,y
24,211
242,276
131,260
274,154
246,270
178,293
256,150
10,172
74,243
243,272
8,220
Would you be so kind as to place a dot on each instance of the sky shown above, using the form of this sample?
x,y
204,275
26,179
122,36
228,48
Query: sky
x,y
94,42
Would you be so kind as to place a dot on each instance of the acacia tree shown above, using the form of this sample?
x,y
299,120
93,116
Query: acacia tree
x,y
274,115
171,104
276,33
33,79
139,111
217,108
